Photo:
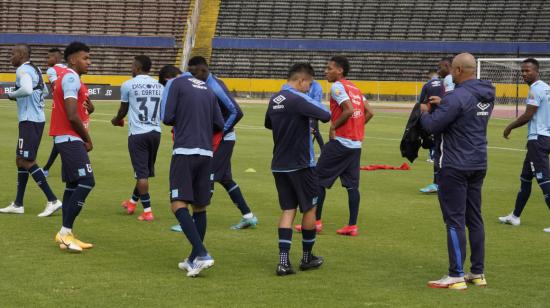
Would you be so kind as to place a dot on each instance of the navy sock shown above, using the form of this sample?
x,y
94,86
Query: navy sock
x,y
145,200
545,186
236,196
285,241
135,195
523,197
69,189
51,159
76,201
22,179
320,202
200,222
353,199
308,240
40,179
190,231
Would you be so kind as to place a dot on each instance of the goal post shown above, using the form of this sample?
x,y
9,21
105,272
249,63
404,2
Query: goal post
x,y
505,73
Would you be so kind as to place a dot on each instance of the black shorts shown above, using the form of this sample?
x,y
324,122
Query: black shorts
x,y
536,160
75,163
143,153
297,189
221,162
190,179
336,161
30,134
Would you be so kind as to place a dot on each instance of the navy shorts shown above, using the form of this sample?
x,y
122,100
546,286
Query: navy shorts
x,y
221,162
75,163
30,134
297,189
190,179
336,161
143,153
536,160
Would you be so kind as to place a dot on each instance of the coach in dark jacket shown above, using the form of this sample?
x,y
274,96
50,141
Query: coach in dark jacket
x,y
462,120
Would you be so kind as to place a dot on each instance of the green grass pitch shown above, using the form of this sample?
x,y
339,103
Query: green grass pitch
x,y
401,244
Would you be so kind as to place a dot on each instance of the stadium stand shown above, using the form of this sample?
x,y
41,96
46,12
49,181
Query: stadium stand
x,y
249,31
62,21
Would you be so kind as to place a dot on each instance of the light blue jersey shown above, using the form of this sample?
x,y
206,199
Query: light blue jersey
x,y
144,94
539,95
448,83
316,91
30,107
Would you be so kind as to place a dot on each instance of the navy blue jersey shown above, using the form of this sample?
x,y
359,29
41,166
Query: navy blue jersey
x,y
434,87
288,117
192,108
461,120
231,111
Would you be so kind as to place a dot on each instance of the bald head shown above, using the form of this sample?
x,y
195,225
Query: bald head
x,y
20,54
463,68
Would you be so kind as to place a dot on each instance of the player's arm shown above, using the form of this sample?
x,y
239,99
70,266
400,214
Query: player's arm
x,y
422,99
267,121
52,77
313,110
25,89
229,104
118,120
89,105
522,120
71,107
217,119
439,119
369,112
170,103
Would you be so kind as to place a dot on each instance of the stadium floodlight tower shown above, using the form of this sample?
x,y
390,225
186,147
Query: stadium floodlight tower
x,y
505,73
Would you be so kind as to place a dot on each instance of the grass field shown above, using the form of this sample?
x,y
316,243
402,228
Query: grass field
x,y
401,245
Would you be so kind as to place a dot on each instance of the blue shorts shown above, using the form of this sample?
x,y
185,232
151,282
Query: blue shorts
x,y
30,135
536,160
75,163
221,162
297,189
190,179
143,153
336,161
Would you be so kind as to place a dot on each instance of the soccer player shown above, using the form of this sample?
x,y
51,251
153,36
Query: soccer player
x,y
431,89
140,97
293,162
535,165
192,109
221,162
168,72
29,94
462,119
316,93
72,141
55,68
341,156
444,72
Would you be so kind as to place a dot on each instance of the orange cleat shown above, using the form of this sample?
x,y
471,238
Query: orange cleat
x,y
129,206
348,230
146,216
318,227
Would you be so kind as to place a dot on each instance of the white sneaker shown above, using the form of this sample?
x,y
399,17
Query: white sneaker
x,y
199,264
185,265
13,209
51,207
546,230
448,282
510,219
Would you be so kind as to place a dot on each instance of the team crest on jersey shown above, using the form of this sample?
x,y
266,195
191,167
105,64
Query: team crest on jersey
x,y
483,107
338,92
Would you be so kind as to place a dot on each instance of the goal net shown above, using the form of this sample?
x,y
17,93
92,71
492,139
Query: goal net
x,y
505,73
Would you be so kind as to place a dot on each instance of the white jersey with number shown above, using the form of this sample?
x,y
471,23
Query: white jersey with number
x,y
143,93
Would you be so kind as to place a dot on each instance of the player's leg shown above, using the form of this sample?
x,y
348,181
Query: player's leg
x,y
452,199
78,174
288,202
476,229
146,171
541,165
523,195
51,160
350,180
133,148
305,183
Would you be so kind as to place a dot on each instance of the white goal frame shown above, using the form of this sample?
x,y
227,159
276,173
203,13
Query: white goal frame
x,y
480,60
